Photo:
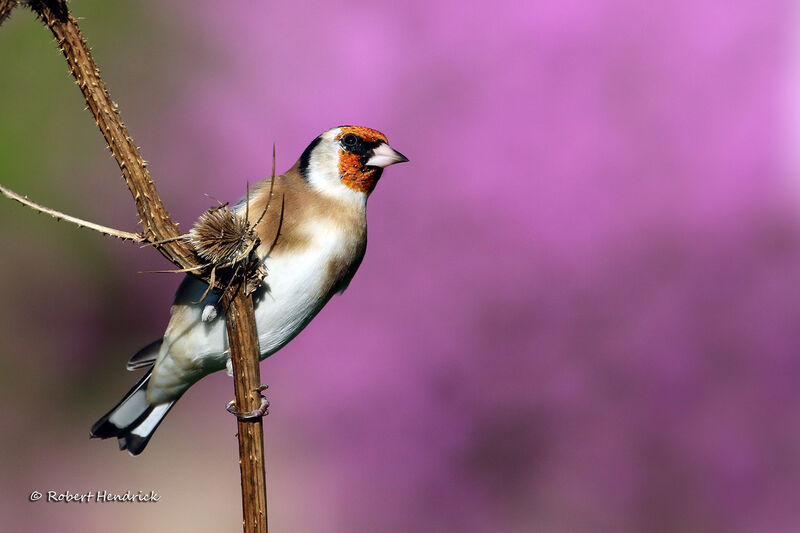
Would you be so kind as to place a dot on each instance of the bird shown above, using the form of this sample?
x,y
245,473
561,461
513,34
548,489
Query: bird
x,y
321,240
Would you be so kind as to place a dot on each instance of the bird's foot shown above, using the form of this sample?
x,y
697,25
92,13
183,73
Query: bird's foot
x,y
261,412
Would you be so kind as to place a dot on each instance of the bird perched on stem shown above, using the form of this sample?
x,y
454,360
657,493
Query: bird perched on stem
x,y
321,230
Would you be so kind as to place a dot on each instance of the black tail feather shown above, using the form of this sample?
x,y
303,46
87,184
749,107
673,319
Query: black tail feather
x,y
146,357
133,420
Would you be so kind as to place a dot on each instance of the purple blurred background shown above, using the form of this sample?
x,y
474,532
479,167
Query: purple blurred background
x,y
579,308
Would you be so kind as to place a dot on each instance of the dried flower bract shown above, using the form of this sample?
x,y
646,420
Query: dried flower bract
x,y
221,237
226,240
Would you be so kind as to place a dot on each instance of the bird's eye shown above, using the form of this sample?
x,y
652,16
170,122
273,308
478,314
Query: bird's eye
x,y
349,140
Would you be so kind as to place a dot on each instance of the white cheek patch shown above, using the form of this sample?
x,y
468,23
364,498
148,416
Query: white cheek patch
x,y
323,171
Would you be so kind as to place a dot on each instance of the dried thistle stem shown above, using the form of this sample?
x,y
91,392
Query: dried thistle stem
x,y
8,193
6,6
156,222
162,232
247,380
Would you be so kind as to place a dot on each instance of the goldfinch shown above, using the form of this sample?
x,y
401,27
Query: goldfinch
x,y
322,237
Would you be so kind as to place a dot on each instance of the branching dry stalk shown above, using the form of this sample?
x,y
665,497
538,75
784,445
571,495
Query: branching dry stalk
x,y
160,231
8,193
5,9
156,223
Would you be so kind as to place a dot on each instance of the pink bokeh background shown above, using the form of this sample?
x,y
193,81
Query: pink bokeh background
x,y
578,310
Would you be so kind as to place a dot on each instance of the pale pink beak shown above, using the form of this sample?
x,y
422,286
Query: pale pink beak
x,y
384,155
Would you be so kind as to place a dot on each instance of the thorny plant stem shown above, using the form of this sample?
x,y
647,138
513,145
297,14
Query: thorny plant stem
x,y
5,9
246,373
156,222
162,232
8,193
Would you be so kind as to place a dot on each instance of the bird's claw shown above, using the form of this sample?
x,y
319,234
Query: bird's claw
x,y
261,412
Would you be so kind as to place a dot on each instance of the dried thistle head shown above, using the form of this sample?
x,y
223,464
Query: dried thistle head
x,y
221,237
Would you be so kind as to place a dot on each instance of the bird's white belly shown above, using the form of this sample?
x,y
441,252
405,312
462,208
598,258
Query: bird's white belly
x,y
297,286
